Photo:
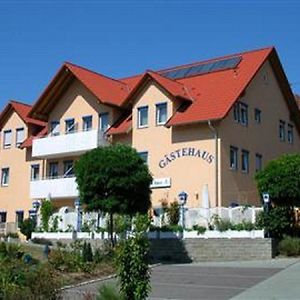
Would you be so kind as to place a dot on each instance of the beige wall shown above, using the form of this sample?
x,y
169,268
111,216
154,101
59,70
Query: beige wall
x,y
260,138
76,103
15,196
188,173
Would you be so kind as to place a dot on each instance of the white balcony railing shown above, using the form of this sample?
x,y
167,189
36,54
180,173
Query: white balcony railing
x,y
65,187
69,144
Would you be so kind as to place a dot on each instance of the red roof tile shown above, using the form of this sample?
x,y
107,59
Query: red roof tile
x,y
123,125
28,142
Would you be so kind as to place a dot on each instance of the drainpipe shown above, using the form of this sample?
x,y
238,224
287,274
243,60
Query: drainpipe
x,y
215,132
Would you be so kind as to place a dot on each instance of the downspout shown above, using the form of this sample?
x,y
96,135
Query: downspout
x,y
215,132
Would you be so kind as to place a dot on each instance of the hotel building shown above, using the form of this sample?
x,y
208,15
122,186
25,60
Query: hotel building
x,y
208,125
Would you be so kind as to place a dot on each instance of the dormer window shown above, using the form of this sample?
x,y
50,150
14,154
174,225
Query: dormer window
x,y
161,113
143,117
54,129
70,125
19,136
7,137
240,113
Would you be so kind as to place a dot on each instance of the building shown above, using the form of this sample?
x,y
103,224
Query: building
x,y
203,128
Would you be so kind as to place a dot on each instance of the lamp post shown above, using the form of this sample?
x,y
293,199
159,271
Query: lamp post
x,y
182,201
79,214
266,199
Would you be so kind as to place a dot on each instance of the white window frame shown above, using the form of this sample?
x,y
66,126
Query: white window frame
x,y
240,113
70,129
32,168
18,130
84,123
158,111
70,171
290,134
245,154
101,126
55,128
233,165
7,145
49,171
140,109
3,172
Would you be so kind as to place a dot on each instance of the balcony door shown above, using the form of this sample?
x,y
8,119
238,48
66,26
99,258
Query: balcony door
x,y
103,121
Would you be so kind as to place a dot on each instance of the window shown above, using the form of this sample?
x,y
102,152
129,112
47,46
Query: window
x,y
87,123
70,125
161,113
4,176
240,113
3,216
35,172
290,134
68,168
233,158
258,162
282,130
7,138
245,161
257,115
53,170
142,116
144,156
54,128
19,217
104,121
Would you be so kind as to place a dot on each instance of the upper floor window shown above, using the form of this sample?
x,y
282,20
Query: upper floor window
x,y
20,135
70,125
258,162
54,128
68,168
290,134
142,116
53,170
104,121
87,123
240,113
7,138
161,113
233,158
3,216
35,172
257,115
144,156
4,176
281,130
245,161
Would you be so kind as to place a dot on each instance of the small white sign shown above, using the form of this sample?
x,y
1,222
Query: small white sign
x,y
161,182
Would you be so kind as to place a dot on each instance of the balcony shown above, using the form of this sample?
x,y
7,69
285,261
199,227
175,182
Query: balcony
x,y
65,187
71,144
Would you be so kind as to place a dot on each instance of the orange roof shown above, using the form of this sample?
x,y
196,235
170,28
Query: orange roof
x,y
22,110
123,125
28,142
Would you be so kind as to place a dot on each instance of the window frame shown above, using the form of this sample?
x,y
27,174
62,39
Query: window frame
x,y
21,213
20,129
258,158
245,154
141,153
234,150
282,130
139,109
72,130
3,214
101,115
52,164
158,106
32,168
2,176
257,115
290,133
84,119
66,173
6,145
240,113
53,125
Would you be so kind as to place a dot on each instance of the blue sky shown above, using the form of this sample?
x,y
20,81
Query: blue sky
x,y
122,38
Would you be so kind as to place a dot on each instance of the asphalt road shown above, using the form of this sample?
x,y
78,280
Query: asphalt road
x,y
193,281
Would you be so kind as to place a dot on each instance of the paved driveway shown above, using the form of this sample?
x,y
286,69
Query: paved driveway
x,y
199,281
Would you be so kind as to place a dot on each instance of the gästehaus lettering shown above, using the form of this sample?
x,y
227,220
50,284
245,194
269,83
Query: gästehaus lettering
x,y
180,153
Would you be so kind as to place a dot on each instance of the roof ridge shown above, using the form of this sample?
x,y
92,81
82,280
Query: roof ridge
x,y
19,102
92,71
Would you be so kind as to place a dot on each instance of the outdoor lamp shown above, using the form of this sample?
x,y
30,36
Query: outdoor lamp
x,y
182,198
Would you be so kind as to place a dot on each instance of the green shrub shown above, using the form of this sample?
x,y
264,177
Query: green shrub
x,y
13,235
221,224
245,225
277,222
199,229
107,292
173,213
289,246
27,227
87,253
46,210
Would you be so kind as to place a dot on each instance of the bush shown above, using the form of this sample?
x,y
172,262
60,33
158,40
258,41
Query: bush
x,y
46,212
289,246
277,222
87,253
41,241
221,224
173,213
199,229
27,227
13,235
107,292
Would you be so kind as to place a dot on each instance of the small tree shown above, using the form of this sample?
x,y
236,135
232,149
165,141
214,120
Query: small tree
x,y
173,213
132,262
27,227
281,179
114,179
46,212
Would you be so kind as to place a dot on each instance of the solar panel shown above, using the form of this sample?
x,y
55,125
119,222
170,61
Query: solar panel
x,y
223,64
